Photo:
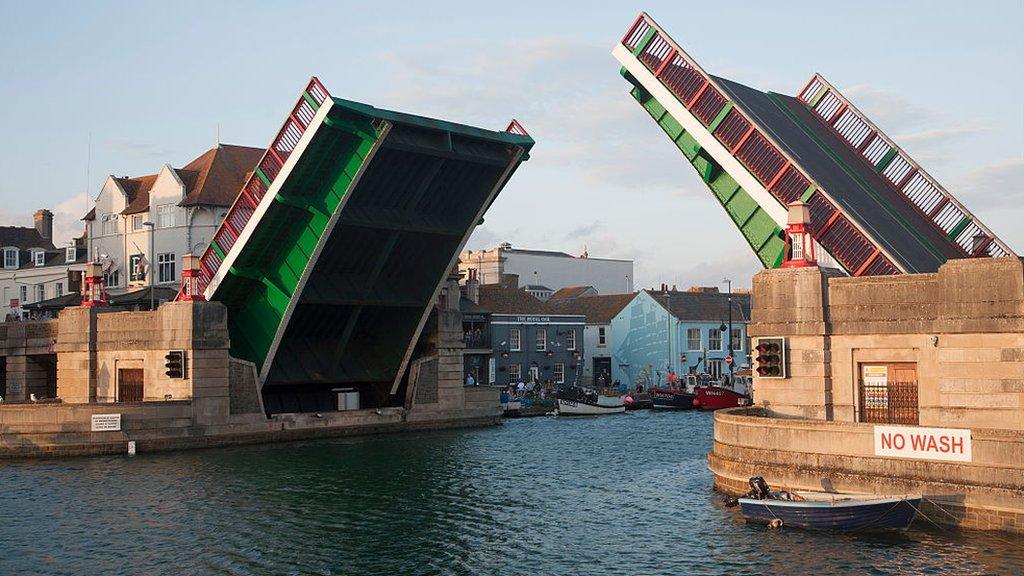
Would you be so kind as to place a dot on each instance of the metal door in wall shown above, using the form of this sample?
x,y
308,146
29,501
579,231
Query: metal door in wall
x,y
130,384
888,393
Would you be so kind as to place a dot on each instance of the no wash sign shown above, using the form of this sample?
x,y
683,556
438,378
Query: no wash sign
x,y
952,444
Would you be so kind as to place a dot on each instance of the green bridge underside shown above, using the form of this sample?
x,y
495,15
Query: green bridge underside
x,y
758,228
405,191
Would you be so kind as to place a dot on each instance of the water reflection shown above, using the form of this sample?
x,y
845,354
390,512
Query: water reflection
x,y
613,495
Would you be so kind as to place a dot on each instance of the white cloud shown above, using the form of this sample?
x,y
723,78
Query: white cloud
x,y
996,185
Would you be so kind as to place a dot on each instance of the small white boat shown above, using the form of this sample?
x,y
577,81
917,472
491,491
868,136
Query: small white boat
x,y
582,402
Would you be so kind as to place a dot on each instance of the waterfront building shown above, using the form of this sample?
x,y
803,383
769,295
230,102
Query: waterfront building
x,y
531,340
682,331
140,227
546,270
34,269
908,384
599,310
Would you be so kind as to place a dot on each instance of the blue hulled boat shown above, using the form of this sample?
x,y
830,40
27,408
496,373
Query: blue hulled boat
x,y
826,510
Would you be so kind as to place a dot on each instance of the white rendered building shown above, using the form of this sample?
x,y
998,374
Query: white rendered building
x,y
552,270
184,205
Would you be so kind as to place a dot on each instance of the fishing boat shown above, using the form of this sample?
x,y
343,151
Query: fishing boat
x,y
672,397
714,397
826,510
576,401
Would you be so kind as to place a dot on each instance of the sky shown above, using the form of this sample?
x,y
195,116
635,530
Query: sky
x,y
91,89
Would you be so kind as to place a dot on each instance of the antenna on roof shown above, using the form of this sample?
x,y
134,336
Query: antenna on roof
x,y
88,166
218,134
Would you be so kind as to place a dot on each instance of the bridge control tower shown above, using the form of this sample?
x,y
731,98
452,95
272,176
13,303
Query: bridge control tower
x,y
874,210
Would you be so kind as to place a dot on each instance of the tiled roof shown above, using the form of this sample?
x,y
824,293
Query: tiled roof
x,y
703,306
570,292
23,237
501,300
599,309
90,215
219,174
213,179
137,190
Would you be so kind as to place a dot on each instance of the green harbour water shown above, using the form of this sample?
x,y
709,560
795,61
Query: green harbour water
x,y
626,494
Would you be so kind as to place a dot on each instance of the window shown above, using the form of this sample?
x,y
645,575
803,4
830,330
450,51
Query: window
x,y
570,340
514,340
559,373
58,290
714,339
715,368
136,222
24,294
40,290
109,224
112,278
602,337
168,214
10,257
39,257
135,269
542,339
693,339
515,373
70,254
165,267
737,340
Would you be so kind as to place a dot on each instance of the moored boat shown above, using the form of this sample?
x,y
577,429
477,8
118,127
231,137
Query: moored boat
x,y
576,401
826,510
672,398
712,397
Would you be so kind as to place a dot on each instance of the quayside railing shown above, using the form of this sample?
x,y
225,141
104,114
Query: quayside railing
x,y
900,171
754,149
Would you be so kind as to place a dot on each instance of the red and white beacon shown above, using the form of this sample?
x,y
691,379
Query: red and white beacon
x,y
799,243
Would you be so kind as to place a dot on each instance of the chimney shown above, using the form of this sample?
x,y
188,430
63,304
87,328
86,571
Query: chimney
x,y
44,223
473,287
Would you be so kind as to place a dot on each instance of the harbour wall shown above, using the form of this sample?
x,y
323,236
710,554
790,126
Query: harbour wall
x,y
75,365
958,333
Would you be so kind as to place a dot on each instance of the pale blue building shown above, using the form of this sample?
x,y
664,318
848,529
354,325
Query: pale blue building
x,y
682,331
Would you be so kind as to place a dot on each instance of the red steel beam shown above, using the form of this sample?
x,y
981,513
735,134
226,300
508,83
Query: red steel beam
x,y
743,140
831,220
839,112
867,141
935,211
777,176
867,262
693,100
804,89
906,179
664,63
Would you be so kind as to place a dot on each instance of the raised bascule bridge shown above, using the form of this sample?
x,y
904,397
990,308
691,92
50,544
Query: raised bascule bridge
x,y
331,258
874,210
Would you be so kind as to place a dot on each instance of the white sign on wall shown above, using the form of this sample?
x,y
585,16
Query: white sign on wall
x,y
951,444
490,371
106,422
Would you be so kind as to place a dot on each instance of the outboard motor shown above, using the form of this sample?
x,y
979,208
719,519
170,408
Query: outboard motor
x,y
759,489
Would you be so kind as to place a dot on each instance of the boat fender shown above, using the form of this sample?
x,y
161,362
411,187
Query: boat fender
x,y
775,523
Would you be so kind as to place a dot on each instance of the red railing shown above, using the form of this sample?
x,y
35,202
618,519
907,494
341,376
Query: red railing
x,y
900,171
696,91
281,147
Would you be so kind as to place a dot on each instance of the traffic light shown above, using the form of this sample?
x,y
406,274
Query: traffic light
x,y
771,357
175,364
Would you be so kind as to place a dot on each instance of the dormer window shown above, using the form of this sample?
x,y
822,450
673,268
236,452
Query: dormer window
x,y
10,258
39,257
70,254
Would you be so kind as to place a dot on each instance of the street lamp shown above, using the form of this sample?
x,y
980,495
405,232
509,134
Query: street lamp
x,y
732,364
152,228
